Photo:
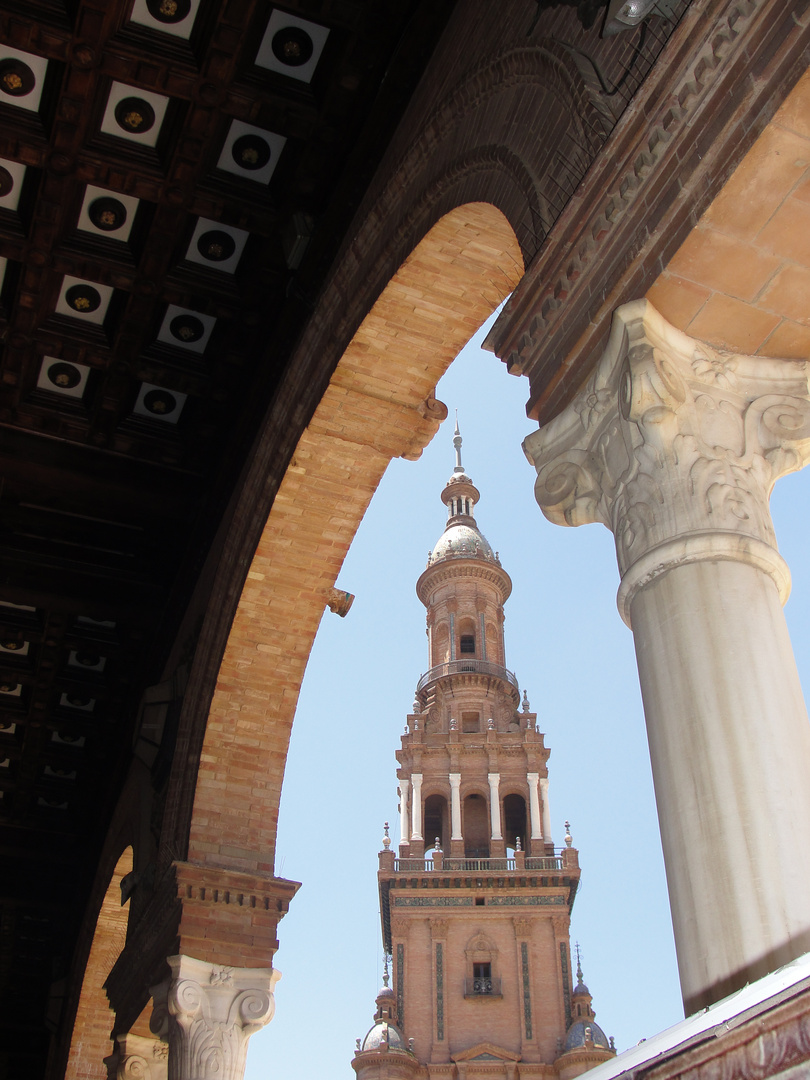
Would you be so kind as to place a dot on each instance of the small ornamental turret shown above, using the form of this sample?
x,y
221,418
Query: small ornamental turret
x,y
584,1039
384,1054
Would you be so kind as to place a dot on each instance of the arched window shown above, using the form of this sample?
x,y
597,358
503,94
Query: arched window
x,y
514,820
483,977
466,637
436,822
475,827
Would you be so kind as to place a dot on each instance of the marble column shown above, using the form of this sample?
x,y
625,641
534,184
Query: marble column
x,y
494,780
404,819
416,807
675,447
534,807
546,810
212,1012
455,806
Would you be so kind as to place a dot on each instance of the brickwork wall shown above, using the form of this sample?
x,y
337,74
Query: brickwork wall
x,y
373,410
498,1020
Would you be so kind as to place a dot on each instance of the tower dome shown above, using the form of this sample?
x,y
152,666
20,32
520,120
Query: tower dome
x,y
461,537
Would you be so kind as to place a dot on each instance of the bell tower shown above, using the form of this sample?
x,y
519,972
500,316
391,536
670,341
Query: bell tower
x,y
476,904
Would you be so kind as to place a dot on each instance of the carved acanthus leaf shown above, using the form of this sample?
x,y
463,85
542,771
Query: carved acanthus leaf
x,y
671,439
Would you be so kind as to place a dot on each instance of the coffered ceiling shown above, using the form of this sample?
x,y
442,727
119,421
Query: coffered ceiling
x,y
175,178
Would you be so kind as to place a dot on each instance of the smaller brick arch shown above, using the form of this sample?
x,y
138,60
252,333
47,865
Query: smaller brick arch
x,y
91,1043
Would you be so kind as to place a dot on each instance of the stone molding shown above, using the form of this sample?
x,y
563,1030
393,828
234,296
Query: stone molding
x,y
675,447
213,1010
660,171
462,566
755,1045
438,928
214,885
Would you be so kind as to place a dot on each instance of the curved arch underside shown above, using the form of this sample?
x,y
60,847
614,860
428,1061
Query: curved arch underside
x,y
379,405
94,1018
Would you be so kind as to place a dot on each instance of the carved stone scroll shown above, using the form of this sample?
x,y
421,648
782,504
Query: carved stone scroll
x,y
213,1012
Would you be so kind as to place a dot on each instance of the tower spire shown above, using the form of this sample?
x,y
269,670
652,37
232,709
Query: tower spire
x,y
459,468
459,494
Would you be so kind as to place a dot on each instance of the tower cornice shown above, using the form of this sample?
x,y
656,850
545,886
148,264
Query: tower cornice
x,y
454,567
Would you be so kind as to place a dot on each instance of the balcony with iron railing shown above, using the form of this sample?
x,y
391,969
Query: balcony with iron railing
x,y
468,665
534,863
482,986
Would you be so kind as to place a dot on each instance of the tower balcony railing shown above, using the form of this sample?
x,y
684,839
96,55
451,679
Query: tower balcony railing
x,y
483,866
460,667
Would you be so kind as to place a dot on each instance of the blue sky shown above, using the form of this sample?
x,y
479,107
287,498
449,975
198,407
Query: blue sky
x,y
572,654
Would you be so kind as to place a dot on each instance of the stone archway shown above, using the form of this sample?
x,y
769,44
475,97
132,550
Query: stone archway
x,y
379,405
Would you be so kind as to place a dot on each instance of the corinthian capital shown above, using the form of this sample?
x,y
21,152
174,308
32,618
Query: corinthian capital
x,y
214,1010
675,446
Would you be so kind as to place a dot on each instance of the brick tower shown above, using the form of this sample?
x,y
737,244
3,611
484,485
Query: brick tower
x,y
477,926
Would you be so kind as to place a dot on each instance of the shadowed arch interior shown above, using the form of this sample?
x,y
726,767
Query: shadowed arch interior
x,y
94,1017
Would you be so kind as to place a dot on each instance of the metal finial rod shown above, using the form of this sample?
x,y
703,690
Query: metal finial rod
x,y
579,965
457,444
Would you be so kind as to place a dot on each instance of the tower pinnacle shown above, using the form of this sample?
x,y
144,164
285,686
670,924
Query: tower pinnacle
x,y
457,444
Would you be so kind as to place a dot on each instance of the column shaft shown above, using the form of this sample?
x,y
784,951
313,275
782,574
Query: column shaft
x,y
546,810
416,807
404,826
495,805
455,806
730,746
534,806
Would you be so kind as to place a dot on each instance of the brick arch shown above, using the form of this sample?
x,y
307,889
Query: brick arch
x,y
446,157
379,404
91,1042
441,165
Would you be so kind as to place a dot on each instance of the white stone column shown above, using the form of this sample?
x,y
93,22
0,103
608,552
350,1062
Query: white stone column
x,y
534,806
495,805
546,810
416,806
404,826
213,1010
675,447
455,806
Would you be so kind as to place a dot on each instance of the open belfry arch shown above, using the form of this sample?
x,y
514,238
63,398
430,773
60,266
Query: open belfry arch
x,y
487,149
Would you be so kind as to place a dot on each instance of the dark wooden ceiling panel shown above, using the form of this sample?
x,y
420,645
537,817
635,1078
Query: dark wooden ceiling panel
x,y
120,439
